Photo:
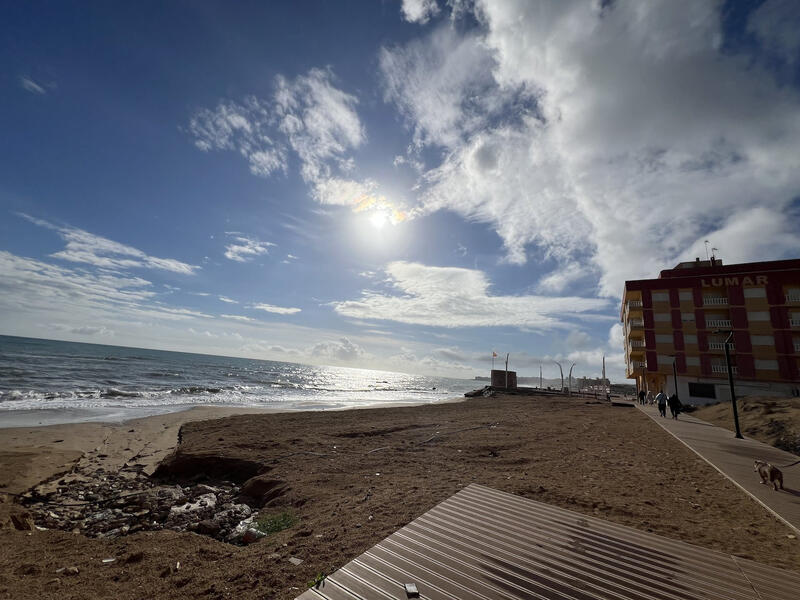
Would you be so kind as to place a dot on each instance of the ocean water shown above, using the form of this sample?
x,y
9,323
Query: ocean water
x,y
80,382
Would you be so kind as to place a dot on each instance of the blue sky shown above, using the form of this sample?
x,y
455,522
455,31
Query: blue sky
x,y
399,185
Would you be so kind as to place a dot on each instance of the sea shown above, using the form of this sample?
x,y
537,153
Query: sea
x,y
49,381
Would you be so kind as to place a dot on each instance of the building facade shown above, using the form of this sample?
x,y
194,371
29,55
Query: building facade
x,y
675,328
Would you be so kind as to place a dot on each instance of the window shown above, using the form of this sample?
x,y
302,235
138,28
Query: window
x,y
758,316
662,338
663,359
762,340
662,317
767,365
660,297
703,390
687,317
693,361
686,296
755,292
689,338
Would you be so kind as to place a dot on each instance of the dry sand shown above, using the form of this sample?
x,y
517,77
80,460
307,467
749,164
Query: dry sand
x,y
353,477
771,420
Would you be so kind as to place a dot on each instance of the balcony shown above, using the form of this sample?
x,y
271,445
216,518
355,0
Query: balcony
x,y
636,343
720,346
634,304
638,364
636,323
794,322
797,346
718,323
708,301
793,297
722,369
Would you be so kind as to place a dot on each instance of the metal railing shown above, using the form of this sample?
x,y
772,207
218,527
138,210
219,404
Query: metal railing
x,y
638,364
797,346
792,297
636,323
794,322
718,323
720,346
713,300
722,369
634,304
636,343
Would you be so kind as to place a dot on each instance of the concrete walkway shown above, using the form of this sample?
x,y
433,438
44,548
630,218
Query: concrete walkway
x,y
734,459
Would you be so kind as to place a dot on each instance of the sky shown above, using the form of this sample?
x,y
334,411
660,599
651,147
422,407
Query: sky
x,y
403,185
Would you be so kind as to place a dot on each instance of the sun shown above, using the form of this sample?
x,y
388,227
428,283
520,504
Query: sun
x,y
378,219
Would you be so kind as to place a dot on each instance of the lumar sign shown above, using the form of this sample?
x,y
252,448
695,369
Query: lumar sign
x,y
732,281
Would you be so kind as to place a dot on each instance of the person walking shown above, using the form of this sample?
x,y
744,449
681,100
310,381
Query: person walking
x,y
661,400
650,400
674,405
642,396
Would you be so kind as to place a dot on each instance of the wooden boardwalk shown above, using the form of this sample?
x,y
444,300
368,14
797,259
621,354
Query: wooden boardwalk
x,y
482,544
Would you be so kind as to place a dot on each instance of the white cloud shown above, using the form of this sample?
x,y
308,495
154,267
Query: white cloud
x,y
31,86
557,281
419,11
244,249
228,300
241,318
83,330
88,248
622,131
280,310
456,297
342,350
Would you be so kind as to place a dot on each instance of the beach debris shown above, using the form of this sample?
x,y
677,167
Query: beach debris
x,y
108,561
252,535
295,561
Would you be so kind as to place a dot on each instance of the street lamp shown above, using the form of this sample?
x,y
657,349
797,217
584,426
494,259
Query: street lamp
x,y
675,374
730,380
570,380
562,375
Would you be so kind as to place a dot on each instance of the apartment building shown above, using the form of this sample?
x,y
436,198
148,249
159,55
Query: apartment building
x,y
675,328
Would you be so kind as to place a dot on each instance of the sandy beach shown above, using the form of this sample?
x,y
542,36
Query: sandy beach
x,y
350,478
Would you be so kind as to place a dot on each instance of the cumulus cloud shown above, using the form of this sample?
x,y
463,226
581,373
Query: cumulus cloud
x,y
227,300
342,350
557,281
85,247
279,310
625,132
457,297
419,11
244,248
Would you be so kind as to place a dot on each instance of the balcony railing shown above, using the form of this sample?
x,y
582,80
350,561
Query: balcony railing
x,y
794,322
793,297
797,346
722,369
709,300
720,346
638,364
636,343
711,323
636,323
634,304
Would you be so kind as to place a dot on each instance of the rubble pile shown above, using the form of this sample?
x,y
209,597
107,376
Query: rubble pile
x,y
112,504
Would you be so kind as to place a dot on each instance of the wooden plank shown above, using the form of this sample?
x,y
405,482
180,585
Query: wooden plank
x,y
483,544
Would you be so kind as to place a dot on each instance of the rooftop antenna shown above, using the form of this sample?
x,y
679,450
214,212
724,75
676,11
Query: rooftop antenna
x,y
714,252
706,243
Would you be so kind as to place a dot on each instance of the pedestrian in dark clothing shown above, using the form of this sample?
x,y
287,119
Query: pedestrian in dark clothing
x,y
674,405
642,396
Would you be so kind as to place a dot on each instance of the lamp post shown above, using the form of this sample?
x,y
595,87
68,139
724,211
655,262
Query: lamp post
x,y
674,373
730,380
562,375
569,392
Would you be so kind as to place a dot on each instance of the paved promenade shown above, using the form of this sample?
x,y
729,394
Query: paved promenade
x,y
734,459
